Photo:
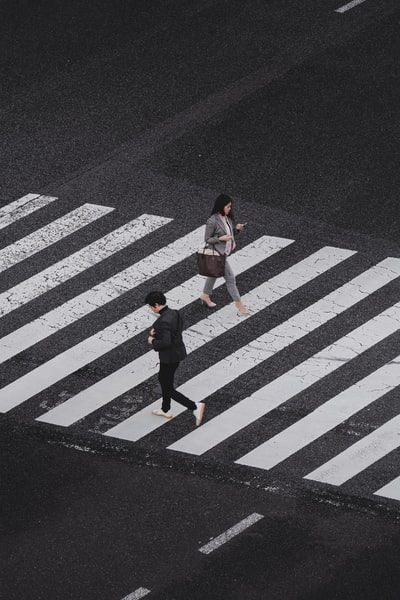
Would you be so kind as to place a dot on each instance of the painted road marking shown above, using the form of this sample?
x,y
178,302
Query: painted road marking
x,y
79,261
143,422
230,533
390,490
99,295
50,234
119,332
261,402
348,6
138,370
360,455
137,594
337,409
22,207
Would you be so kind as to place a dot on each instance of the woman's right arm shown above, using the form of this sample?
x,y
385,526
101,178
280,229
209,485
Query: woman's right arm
x,y
209,234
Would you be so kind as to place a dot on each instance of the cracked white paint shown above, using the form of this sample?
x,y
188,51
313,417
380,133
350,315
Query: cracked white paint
x,y
50,234
363,453
137,371
22,207
278,391
331,413
99,295
99,344
79,261
142,422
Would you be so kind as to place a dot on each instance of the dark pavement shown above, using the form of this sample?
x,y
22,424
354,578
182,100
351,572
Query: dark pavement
x,y
80,525
292,106
156,107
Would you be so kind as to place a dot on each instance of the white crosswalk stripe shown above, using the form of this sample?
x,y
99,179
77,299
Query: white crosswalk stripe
x,y
79,261
390,490
50,234
338,409
369,449
100,295
280,390
23,207
200,387
340,348
144,367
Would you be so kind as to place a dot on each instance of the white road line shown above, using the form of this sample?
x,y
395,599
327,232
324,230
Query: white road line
x,y
139,370
255,406
50,234
348,6
143,422
137,594
360,455
390,490
22,207
230,533
79,261
337,409
95,346
104,292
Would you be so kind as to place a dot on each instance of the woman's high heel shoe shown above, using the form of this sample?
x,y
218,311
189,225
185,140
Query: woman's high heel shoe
x,y
242,309
205,299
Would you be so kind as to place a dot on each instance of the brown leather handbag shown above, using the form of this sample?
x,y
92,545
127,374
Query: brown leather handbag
x,y
210,263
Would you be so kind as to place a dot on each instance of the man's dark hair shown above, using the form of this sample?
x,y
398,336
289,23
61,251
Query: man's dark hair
x,y
154,298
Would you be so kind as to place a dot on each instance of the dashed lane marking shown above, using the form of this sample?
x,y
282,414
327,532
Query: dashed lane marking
x,y
230,533
139,593
348,6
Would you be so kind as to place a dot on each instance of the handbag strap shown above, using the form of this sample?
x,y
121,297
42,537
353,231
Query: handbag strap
x,y
213,249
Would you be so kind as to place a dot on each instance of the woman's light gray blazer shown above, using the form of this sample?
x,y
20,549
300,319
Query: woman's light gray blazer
x,y
214,230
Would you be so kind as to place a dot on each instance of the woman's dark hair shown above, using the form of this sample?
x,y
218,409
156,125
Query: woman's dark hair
x,y
221,201
154,298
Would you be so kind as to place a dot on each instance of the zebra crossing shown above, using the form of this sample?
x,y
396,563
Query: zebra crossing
x,y
254,356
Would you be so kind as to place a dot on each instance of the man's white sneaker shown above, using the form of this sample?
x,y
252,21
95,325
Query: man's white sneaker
x,y
199,412
161,413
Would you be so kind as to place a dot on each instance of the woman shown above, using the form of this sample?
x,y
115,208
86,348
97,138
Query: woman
x,y
220,234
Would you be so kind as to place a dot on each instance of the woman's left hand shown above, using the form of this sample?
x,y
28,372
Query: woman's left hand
x,y
240,226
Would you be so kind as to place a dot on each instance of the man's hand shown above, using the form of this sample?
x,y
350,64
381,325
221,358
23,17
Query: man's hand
x,y
150,339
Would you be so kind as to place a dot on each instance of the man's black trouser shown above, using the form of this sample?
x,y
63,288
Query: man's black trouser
x,y
166,378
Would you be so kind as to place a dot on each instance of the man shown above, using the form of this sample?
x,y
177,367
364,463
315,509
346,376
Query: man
x,y
166,339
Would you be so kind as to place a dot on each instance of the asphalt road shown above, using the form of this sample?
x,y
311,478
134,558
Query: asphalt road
x,y
292,106
79,525
293,110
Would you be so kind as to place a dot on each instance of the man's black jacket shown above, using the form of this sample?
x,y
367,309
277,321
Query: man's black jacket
x,y
168,340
